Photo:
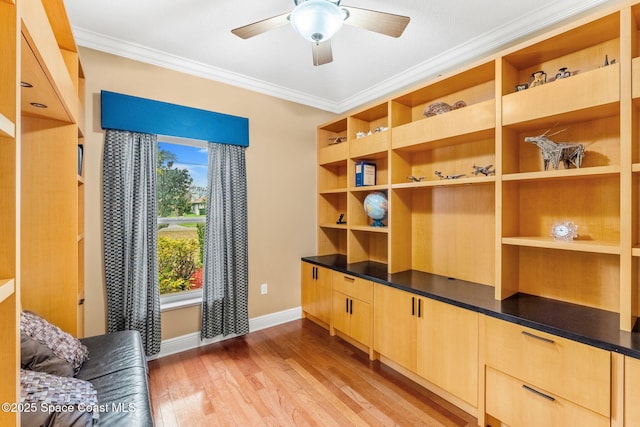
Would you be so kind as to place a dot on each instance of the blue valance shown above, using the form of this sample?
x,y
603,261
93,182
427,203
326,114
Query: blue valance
x,y
130,113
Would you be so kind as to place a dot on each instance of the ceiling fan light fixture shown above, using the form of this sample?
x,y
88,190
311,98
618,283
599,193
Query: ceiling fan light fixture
x,y
317,20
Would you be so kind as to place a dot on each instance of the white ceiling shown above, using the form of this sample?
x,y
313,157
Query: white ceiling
x,y
194,36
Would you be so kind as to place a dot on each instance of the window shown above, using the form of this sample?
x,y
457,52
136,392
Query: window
x,y
181,198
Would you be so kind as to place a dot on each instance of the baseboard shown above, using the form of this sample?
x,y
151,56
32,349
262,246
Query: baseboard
x,y
192,340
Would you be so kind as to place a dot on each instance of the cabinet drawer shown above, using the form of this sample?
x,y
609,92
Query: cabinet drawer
x,y
517,403
577,372
352,286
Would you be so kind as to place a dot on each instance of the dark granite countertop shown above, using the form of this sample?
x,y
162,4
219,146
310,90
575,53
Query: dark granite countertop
x,y
591,326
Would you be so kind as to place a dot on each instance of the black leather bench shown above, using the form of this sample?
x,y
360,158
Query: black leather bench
x,y
117,368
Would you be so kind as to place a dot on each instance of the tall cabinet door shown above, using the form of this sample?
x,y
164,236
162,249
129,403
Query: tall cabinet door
x,y
323,294
394,325
316,292
448,349
308,281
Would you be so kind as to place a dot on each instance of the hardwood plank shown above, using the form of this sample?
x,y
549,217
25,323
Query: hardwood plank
x,y
293,374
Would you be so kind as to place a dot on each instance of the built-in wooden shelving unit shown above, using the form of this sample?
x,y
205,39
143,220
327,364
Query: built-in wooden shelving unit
x,y
495,230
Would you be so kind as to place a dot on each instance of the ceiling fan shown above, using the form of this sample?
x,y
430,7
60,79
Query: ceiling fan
x,y
318,20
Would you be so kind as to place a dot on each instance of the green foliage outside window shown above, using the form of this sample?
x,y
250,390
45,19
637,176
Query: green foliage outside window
x,y
172,190
200,229
178,259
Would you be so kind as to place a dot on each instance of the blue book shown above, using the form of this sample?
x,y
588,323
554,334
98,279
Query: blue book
x,y
365,173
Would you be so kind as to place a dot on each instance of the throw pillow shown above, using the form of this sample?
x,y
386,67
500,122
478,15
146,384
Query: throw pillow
x,y
62,344
58,400
35,356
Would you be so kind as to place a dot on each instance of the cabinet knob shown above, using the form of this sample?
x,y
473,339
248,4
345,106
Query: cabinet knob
x,y
81,301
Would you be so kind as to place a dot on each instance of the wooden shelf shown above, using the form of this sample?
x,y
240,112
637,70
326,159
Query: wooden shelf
x,y
475,121
333,191
7,288
44,67
368,188
369,228
596,172
370,146
472,180
566,98
335,226
602,247
333,154
7,127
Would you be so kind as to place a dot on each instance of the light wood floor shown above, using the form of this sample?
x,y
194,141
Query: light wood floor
x,y
290,375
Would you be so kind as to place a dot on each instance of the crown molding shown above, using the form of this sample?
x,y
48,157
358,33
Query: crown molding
x,y
474,49
126,49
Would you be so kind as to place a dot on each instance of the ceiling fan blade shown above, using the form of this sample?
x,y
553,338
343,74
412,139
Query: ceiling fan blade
x,y
379,22
263,26
321,53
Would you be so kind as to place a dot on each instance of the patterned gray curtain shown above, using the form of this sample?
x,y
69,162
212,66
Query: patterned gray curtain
x,y
226,267
131,235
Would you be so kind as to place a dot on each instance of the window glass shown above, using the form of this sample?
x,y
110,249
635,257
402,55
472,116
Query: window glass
x,y
182,206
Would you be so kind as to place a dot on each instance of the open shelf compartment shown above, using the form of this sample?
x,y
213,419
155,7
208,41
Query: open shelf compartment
x,y
333,143
369,131
591,279
448,231
599,136
475,87
534,206
578,50
423,161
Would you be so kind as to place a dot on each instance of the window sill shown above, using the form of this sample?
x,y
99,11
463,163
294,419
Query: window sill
x,y
182,300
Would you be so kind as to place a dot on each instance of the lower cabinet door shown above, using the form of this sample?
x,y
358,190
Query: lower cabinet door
x,y
323,294
394,325
448,348
631,391
360,321
340,315
519,404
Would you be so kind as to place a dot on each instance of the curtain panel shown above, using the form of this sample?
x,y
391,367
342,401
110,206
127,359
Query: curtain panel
x,y
226,272
131,235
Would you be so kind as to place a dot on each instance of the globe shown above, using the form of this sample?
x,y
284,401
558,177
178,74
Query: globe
x,y
376,207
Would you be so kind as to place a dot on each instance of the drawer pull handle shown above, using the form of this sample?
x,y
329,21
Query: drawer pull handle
x,y
547,340
539,393
349,279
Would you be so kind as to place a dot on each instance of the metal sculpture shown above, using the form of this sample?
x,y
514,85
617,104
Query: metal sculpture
x,y
441,176
555,152
442,107
484,170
